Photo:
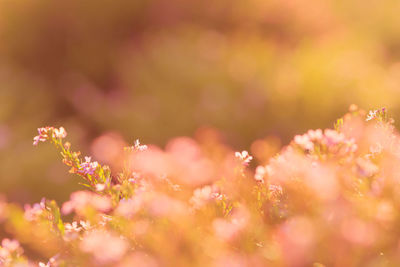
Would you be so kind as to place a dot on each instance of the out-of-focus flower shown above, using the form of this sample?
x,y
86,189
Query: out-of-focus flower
x,y
10,244
231,260
104,246
296,238
260,173
100,187
129,207
366,168
81,200
229,229
161,205
304,142
358,231
139,259
201,196
136,147
332,137
315,135
32,212
72,227
71,231
85,224
8,248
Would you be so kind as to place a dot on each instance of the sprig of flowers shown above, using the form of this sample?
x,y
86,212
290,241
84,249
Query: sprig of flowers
x,y
335,186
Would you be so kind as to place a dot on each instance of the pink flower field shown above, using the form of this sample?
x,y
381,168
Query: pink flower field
x,y
329,198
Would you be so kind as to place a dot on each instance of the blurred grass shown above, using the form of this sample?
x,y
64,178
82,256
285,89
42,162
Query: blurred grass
x,y
157,69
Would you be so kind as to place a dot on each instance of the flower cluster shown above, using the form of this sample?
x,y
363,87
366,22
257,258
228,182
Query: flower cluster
x,y
10,251
244,157
376,114
88,167
45,133
136,147
317,141
328,198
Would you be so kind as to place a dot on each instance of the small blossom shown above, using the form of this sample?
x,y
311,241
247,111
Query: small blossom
x,y
72,227
203,195
136,147
10,245
260,173
366,167
371,115
85,224
60,133
244,157
129,207
104,246
332,137
88,167
315,135
80,200
7,248
100,187
139,147
377,113
43,135
304,142
32,212
71,231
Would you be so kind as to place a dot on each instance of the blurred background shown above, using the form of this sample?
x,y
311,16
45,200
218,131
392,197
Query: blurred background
x,y
113,71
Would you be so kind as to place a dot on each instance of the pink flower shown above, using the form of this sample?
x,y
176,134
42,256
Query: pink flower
x,y
333,137
372,115
203,195
32,212
129,207
60,133
229,229
315,135
260,173
80,200
44,134
104,246
304,142
136,147
7,248
10,245
88,167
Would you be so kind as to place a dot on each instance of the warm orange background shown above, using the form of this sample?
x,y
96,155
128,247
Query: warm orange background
x,y
157,69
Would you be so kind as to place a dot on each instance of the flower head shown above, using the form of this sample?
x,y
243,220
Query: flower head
x,y
244,156
32,212
136,147
45,133
87,167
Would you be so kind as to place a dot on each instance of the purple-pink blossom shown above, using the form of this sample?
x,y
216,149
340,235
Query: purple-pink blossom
x,y
87,167
44,134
